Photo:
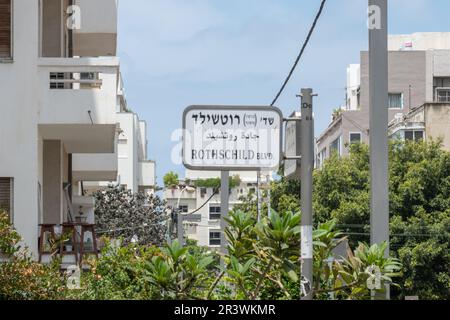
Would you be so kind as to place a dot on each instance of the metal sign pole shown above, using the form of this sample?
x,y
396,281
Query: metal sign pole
x,y
258,195
268,196
307,166
378,91
224,207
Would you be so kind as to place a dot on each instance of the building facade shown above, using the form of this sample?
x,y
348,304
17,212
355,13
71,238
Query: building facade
x,y
134,172
62,107
418,75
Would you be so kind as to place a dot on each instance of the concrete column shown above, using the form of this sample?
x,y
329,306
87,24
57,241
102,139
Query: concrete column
x,y
52,182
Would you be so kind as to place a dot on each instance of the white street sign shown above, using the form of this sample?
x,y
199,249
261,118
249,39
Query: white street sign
x,y
232,137
292,147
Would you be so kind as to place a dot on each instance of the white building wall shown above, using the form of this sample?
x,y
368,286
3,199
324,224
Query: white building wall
x,y
353,85
19,141
26,103
134,168
126,150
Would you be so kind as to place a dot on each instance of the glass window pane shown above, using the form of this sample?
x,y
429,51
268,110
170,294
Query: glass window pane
x,y
395,101
5,29
355,137
409,135
418,135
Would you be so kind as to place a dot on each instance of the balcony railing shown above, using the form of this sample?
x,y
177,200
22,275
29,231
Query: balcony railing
x,y
78,90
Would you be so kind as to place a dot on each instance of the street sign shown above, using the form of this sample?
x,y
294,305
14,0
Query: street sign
x,y
293,147
232,138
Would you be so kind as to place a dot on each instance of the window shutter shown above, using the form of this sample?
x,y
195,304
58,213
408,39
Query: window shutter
x,y
5,194
5,28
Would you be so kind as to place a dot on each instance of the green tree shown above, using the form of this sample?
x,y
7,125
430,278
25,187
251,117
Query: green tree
x,y
419,191
171,180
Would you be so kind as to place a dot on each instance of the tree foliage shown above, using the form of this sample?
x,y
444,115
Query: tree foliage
x,y
121,214
262,263
419,192
21,278
171,180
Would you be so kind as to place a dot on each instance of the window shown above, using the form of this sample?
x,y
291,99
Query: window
x,y
214,238
5,29
184,208
395,101
443,95
413,135
214,213
6,195
54,77
321,157
441,87
92,79
355,137
336,146
203,192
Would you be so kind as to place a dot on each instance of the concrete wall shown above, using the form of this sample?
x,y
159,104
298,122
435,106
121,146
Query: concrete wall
x,y
98,33
405,68
420,41
437,123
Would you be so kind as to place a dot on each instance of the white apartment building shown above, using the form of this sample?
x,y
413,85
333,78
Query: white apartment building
x,y
200,200
135,172
62,109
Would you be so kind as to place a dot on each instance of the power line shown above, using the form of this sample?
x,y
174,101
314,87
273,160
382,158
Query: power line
x,y
395,235
205,203
311,30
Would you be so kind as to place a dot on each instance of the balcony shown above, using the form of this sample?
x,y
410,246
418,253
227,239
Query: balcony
x,y
146,176
95,167
97,32
77,102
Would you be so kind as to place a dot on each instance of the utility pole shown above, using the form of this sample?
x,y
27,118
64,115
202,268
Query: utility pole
x,y
224,205
378,104
258,194
306,171
180,228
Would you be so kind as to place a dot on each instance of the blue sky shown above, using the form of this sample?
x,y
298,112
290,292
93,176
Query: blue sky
x,y
176,53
